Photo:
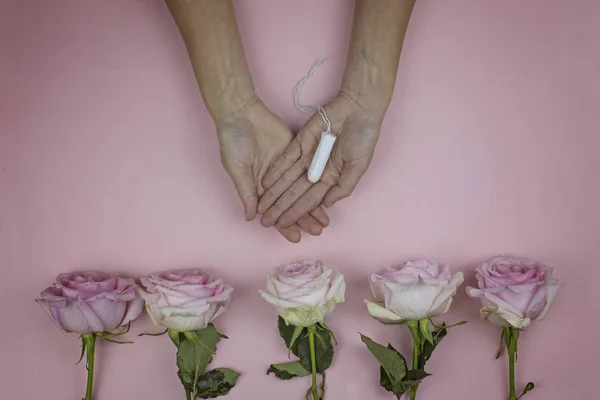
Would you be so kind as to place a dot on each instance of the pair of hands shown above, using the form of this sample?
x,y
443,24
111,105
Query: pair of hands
x,y
269,165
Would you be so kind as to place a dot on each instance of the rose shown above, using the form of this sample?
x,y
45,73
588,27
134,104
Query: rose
x,y
185,300
91,302
304,293
413,291
514,291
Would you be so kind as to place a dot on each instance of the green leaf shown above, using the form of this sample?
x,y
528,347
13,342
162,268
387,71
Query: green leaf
x,y
501,348
288,370
426,330
323,349
193,337
393,365
83,348
192,358
286,331
290,335
297,331
318,336
528,388
175,337
108,339
154,334
384,380
217,382
415,375
120,333
328,329
447,326
394,323
438,334
412,378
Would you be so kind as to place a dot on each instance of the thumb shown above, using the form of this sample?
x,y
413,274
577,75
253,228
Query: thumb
x,y
351,174
245,184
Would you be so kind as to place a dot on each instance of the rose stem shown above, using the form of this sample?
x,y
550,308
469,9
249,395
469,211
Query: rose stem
x,y
313,361
89,341
511,336
415,364
188,395
413,326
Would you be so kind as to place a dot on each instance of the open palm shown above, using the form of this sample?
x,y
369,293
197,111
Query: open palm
x,y
290,195
250,142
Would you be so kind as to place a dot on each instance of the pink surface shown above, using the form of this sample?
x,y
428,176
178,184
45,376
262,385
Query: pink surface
x,y
109,160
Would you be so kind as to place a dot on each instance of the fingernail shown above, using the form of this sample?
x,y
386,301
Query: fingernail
x,y
264,221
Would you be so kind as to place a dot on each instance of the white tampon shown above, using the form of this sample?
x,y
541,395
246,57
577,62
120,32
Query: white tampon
x,y
319,161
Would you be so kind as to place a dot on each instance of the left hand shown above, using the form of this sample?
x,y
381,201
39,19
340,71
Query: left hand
x,y
289,194
250,139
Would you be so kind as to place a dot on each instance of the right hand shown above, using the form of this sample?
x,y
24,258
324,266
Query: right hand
x,y
290,195
251,139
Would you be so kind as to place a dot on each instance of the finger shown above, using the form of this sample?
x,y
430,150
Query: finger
x,y
291,233
305,204
286,160
320,215
246,187
349,178
309,224
286,200
287,180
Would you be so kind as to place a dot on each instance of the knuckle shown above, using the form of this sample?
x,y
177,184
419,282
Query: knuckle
x,y
267,196
346,191
310,199
305,161
293,191
329,179
288,157
288,176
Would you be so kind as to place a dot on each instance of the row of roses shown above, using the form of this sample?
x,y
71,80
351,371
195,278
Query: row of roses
x,y
513,292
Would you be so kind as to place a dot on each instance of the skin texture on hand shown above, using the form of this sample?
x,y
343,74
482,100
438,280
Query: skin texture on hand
x,y
356,115
250,141
290,195
250,136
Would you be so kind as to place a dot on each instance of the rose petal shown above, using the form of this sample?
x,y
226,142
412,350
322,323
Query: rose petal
x,y
447,292
551,295
496,314
52,312
109,312
493,299
381,313
134,310
278,302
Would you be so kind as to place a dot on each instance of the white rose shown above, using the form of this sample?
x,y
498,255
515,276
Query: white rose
x,y
185,300
413,291
304,293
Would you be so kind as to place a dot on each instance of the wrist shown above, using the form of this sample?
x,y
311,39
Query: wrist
x,y
368,87
228,108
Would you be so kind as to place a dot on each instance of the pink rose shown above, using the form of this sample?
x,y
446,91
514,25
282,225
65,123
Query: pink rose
x,y
514,291
413,291
304,293
88,302
185,300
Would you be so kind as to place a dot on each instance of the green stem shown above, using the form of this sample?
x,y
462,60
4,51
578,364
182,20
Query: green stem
x,y
413,326
415,364
313,362
511,336
188,395
89,341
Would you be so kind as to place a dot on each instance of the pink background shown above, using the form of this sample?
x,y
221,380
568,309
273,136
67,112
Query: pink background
x,y
109,160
